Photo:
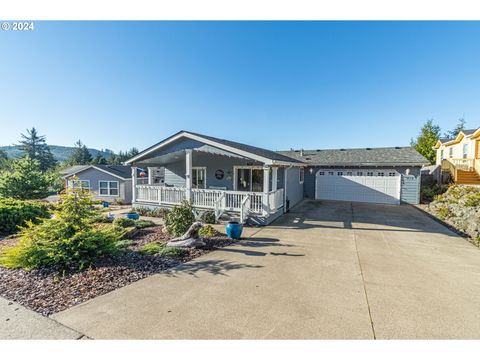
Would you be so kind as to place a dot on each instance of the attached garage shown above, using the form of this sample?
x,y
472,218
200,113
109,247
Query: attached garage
x,y
375,175
369,185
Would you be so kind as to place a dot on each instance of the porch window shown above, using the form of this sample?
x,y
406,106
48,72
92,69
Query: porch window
x,y
199,175
108,188
82,184
465,151
249,179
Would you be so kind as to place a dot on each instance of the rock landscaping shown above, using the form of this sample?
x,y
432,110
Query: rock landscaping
x,y
49,290
459,207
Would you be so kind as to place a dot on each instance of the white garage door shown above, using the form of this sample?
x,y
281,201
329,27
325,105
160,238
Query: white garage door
x,y
376,186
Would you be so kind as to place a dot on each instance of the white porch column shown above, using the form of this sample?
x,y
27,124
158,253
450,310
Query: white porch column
x,y
266,185
134,184
274,178
150,175
188,173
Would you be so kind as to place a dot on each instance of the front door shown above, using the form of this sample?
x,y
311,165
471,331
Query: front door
x,y
249,179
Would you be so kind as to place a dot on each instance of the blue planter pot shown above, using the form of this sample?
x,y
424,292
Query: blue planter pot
x,y
133,216
234,230
105,204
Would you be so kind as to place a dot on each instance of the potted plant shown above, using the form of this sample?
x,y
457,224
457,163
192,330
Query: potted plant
x,y
234,230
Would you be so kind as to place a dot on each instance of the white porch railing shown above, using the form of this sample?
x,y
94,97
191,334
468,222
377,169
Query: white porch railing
x,y
218,200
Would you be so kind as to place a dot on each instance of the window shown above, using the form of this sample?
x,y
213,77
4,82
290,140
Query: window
x,y
450,153
441,154
330,173
340,173
381,173
359,173
369,173
83,184
349,173
465,151
108,188
321,173
302,175
249,179
199,177
392,173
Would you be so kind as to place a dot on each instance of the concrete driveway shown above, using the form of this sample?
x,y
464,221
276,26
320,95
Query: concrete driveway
x,y
327,270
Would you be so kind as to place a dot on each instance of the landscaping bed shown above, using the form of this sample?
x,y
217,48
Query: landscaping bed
x,y
48,291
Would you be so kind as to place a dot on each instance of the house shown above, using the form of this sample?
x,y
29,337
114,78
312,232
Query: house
x,y
459,158
259,185
107,182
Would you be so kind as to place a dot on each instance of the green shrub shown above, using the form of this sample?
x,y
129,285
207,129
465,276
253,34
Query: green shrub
x,y
179,219
69,239
472,200
124,222
101,218
444,212
207,231
157,212
152,248
430,192
141,224
15,213
121,244
171,251
208,217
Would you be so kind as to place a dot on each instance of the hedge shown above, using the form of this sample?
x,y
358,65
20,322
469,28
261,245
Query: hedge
x,y
15,213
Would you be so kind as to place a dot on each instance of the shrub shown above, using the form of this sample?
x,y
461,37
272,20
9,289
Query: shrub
x,y
444,212
207,231
208,217
100,218
152,248
174,252
15,213
124,222
430,192
157,212
472,200
69,239
141,224
179,219
121,244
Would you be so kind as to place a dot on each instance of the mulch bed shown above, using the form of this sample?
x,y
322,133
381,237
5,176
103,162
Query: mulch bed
x,y
49,291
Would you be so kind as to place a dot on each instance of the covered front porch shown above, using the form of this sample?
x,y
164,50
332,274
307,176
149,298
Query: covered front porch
x,y
211,178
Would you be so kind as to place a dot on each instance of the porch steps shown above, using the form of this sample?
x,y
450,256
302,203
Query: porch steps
x,y
467,177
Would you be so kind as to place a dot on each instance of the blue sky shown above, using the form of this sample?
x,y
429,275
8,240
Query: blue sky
x,y
272,84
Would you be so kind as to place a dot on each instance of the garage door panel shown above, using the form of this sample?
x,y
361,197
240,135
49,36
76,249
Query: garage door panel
x,y
376,189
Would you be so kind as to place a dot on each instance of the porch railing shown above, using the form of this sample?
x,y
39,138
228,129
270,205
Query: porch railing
x,y
453,165
218,200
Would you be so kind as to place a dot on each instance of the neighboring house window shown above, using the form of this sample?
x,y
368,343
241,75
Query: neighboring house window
x,y
381,174
199,175
441,154
83,184
302,175
109,188
450,153
465,150
321,173
369,173
340,173
349,173
330,173
359,173
392,173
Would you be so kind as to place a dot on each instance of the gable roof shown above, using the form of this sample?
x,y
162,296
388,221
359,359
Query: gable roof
x,y
458,138
386,156
121,171
72,169
253,152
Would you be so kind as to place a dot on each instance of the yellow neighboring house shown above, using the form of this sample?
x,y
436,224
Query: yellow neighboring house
x,y
461,157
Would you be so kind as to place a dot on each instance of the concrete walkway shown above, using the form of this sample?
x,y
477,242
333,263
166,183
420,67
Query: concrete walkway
x,y
17,322
327,270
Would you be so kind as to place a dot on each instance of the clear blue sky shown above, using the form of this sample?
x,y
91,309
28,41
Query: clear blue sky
x,y
271,84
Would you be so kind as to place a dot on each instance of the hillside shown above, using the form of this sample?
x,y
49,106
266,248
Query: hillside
x,y
61,153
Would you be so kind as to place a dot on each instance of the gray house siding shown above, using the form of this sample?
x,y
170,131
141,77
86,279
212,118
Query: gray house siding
x,y
409,191
95,176
294,186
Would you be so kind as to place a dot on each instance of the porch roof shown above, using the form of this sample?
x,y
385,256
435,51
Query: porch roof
x,y
241,150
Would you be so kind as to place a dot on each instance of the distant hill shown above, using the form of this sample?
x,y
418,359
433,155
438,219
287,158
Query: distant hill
x,y
61,153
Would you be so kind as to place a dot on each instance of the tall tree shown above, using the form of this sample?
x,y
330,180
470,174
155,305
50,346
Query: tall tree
x,y
118,159
452,134
81,155
26,180
426,139
99,160
35,147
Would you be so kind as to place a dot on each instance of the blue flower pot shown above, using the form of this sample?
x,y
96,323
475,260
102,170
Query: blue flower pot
x,y
234,230
133,216
105,204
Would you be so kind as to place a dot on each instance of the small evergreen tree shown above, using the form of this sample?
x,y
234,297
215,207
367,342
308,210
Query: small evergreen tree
x,y
452,134
426,140
34,146
99,160
26,181
81,155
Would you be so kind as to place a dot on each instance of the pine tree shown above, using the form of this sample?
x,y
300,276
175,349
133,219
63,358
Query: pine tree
x,y
426,140
99,160
452,134
81,155
34,146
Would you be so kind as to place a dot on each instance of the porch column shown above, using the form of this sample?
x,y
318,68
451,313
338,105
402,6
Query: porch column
x,y
188,173
285,183
274,178
134,184
266,185
150,175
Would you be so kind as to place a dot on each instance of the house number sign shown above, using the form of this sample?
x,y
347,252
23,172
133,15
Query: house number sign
x,y
219,174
